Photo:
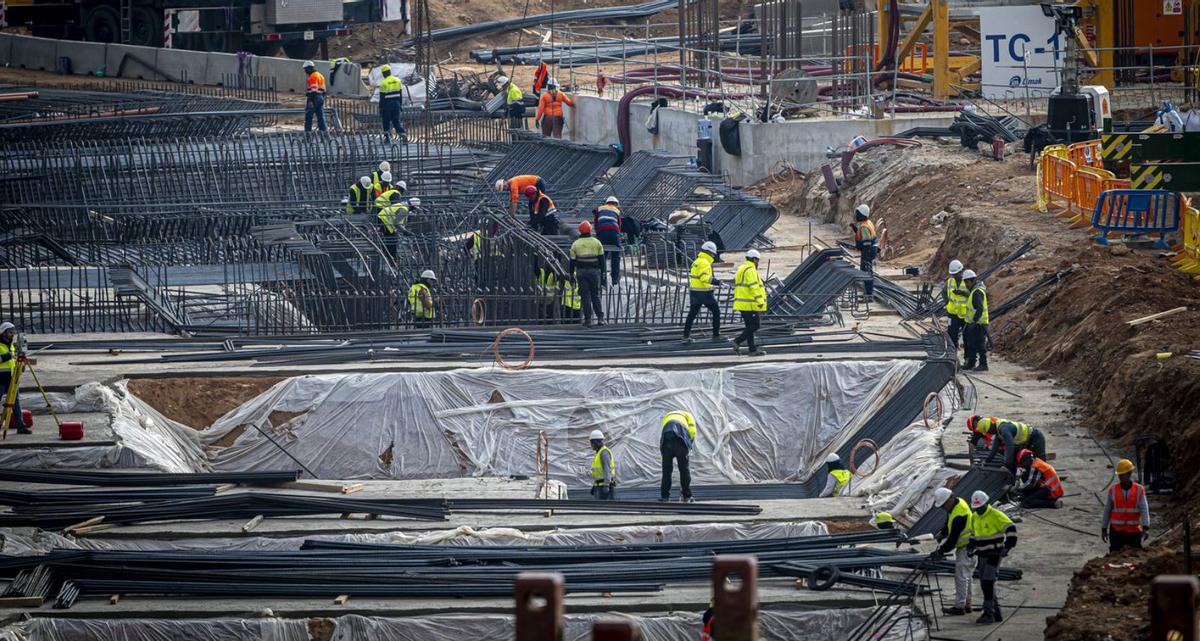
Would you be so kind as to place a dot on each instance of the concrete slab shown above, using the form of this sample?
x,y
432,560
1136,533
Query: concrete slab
x,y
39,54
182,65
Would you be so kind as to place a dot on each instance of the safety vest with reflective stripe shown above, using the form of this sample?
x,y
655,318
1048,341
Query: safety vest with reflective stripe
x,y
11,363
416,300
480,240
983,318
547,285
570,296
1049,478
842,480
316,83
700,279
749,295
681,416
960,509
1125,515
392,215
956,298
359,200
390,88
989,529
598,466
866,232
1021,431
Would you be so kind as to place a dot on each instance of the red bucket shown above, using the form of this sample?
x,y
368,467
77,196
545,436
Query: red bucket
x,y
27,418
70,431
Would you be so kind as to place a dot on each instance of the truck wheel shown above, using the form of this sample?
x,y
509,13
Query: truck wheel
x,y
102,25
301,49
146,28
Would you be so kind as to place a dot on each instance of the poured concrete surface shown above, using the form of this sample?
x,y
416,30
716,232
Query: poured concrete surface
x,y
97,430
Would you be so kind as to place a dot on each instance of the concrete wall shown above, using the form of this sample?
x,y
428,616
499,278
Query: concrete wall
x,y
179,65
800,142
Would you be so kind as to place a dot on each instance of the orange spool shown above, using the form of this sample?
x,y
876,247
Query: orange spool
x,y
925,410
500,359
866,442
478,311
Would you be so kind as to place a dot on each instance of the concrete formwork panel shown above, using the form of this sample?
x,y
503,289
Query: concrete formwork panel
x,y
182,65
34,53
6,42
86,57
127,61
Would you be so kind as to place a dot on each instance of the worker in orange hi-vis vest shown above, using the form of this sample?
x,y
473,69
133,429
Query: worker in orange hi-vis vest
x,y
314,92
1126,520
1038,485
550,110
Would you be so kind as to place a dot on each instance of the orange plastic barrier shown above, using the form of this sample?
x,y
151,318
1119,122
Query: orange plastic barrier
x,y
1086,154
1089,184
1058,181
1188,259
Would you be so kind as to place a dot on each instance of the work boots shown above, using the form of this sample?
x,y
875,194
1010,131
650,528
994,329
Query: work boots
x,y
982,363
991,613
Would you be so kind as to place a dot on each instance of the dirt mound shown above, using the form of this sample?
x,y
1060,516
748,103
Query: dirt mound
x,y
198,401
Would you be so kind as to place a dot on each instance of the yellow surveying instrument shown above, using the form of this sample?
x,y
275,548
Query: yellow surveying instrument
x,y
20,350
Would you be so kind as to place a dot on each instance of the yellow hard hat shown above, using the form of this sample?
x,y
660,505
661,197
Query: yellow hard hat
x,y
385,68
1124,466
884,517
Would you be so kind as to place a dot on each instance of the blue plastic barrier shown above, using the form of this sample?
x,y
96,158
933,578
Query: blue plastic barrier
x,y
1137,211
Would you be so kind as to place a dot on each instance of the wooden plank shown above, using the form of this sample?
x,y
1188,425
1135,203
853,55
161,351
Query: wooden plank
x,y
225,487
114,599
252,523
350,489
20,601
1147,319
341,599
82,524
315,486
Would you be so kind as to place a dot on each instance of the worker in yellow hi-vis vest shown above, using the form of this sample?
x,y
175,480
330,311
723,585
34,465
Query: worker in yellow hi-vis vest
x,y
837,479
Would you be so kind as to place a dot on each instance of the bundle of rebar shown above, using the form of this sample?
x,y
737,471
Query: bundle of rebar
x,y
143,479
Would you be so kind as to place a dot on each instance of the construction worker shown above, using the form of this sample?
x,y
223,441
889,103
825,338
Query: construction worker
x,y
837,477
749,298
362,196
383,183
606,219
1014,435
482,241
543,217
420,300
955,536
587,262
604,469
974,425
676,440
385,167
391,98
993,534
1039,485
546,284
516,186
550,110
956,302
314,94
867,244
706,632
570,300
975,334
514,99
883,521
700,292
9,355
1126,520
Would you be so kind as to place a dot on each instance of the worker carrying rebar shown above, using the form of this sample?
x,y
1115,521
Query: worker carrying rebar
x,y
1126,519
513,101
587,262
10,354
975,334
606,219
420,300
543,217
701,285
1038,485
993,535
955,293
867,243
550,116
1009,436
314,94
385,167
361,198
604,469
837,477
516,186
676,441
391,99
749,299
955,536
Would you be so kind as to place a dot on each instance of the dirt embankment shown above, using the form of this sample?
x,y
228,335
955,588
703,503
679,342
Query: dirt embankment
x,y
199,401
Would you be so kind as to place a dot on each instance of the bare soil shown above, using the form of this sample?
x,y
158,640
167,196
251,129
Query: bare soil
x,y
199,401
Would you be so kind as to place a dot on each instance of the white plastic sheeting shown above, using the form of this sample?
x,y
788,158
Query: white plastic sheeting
x,y
764,422
54,629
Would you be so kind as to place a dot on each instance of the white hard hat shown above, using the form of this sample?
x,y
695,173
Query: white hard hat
x,y
4,327
864,210
833,458
612,200
752,255
709,246
386,176
307,64
969,274
502,80
401,185
428,273
501,184
414,202
979,499
955,266
385,165
941,495
596,435
365,181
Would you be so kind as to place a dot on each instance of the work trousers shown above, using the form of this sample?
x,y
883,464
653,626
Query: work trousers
x,y
701,300
612,251
315,107
989,569
1121,540
1037,443
955,330
16,422
752,321
675,450
389,113
552,126
964,568
516,115
604,492
975,344
866,262
422,323
588,282
1038,498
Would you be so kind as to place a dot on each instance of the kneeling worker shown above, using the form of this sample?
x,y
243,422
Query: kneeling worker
x,y
1014,435
838,477
1039,485
604,469
955,536
992,536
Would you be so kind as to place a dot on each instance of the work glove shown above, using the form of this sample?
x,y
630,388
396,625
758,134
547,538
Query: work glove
x,y
936,556
1104,534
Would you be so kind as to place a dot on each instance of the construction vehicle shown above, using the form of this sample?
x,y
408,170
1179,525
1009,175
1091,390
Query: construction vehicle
x,y
262,27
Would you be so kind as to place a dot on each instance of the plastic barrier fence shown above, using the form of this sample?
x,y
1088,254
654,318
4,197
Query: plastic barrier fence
x,y
1188,259
1058,181
1137,211
1086,154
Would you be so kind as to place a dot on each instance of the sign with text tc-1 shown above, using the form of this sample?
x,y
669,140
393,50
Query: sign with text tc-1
x,y
1020,48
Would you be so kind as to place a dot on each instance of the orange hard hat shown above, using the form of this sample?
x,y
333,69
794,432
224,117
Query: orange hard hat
x,y
530,191
585,227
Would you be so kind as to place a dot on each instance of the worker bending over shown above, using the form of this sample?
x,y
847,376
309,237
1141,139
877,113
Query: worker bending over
x,y
955,293
377,175
975,334
550,110
420,300
675,444
701,283
9,355
391,99
993,534
1039,485
1014,436
750,299
955,536
604,469
866,242
516,186
362,196
1126,520
837,477
513,99
314,94
606,219
543,217
587,261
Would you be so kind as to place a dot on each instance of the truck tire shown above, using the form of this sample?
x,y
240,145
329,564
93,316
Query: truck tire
x,y
102,24
146,28
301,49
